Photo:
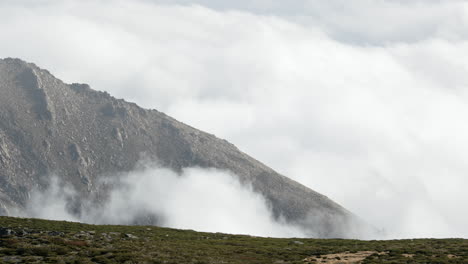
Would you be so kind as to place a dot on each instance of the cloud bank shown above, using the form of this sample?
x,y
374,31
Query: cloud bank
x,y
364,102
200,199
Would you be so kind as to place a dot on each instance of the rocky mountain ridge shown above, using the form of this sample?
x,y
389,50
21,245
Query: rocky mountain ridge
x,y
50,127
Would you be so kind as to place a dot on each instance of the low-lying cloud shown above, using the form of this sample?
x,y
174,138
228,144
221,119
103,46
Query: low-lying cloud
x,y
363,101
199,199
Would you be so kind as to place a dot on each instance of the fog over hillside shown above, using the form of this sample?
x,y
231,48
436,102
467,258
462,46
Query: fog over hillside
x,y
363,101
203,200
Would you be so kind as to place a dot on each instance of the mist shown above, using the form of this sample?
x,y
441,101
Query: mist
x,y
364,102
199,199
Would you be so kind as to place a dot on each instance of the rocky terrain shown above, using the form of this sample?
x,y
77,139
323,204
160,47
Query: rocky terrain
x,y
48,127
41,241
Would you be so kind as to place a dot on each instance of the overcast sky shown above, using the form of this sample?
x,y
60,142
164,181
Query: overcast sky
x,y
364,101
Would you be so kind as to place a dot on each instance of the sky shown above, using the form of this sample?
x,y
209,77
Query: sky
x,y
364,101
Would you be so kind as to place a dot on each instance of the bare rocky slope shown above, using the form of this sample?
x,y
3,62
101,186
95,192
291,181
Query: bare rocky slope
x,y
50,127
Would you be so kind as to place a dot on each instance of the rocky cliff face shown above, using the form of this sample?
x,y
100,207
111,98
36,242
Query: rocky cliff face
x,y
49,127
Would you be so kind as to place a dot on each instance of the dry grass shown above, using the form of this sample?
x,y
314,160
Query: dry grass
x,y
342,258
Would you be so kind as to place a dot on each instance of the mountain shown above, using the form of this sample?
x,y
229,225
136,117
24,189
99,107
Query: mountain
x,y
50,127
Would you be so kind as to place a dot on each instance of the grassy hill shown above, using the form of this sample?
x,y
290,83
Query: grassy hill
x,y
44,241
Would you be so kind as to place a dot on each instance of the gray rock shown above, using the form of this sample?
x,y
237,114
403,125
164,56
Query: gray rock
x,y
22,232
55,233
131,236
47,126
12,259
6,232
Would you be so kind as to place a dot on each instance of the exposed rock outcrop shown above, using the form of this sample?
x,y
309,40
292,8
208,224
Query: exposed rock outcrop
x,y
47,126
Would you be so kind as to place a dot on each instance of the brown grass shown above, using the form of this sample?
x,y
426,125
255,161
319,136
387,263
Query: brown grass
x,y
78,243
342,258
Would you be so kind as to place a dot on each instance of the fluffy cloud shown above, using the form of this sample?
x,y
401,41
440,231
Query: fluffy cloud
x,y
361,22
200,199
364,101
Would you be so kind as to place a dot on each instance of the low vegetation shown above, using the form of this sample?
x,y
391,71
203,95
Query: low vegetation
x,y
43,241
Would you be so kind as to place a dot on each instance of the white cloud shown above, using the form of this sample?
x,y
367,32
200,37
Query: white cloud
x,y
379,128
200,199
362,22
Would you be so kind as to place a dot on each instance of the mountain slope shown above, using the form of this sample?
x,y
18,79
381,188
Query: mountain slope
x,y
41,241
49,127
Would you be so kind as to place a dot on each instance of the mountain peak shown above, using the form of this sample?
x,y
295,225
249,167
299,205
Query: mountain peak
x,y
49,127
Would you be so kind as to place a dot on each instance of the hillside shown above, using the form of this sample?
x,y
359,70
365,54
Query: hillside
x,y
42,241
48,127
